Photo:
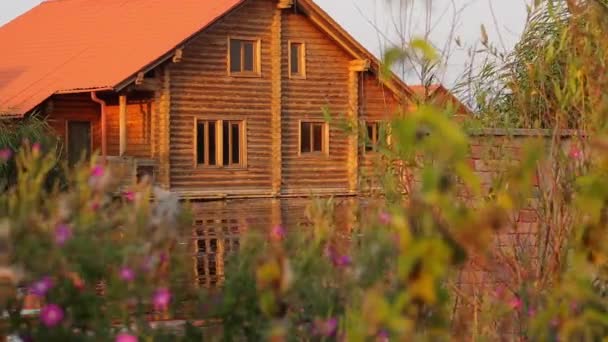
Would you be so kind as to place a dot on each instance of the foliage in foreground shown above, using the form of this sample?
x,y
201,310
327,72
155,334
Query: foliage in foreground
x,y
97,266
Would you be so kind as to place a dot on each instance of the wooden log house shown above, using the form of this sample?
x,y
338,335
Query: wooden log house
x,y
214,99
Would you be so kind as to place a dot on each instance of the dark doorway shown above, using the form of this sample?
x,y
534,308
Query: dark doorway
x,y
78,141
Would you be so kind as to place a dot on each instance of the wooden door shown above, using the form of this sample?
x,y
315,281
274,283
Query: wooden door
x,y
78,141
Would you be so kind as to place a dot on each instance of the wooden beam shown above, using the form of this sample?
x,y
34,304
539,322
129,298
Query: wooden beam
x,y
284,4
355,68
359,65
179,53
122,124
140,78
163,100
276,105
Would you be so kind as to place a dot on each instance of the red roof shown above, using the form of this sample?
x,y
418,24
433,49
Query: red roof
x,y
78,45
437,92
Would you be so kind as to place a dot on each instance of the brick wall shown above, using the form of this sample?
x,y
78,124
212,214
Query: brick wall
x,y
514,255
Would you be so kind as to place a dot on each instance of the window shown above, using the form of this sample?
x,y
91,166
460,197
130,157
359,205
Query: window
x,y
220,143
243,57
297,60
313,137
373,136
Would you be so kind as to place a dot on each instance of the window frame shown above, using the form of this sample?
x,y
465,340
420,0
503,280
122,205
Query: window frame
x,y
301,60
386,138
324,144
257,57
219,147
373,147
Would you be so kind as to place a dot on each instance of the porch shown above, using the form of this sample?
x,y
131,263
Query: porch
x,y
119,128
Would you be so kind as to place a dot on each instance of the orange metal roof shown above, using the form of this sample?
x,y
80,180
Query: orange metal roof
x,y
79,45
422,90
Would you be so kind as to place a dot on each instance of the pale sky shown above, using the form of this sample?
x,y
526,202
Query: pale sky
x,y
374,22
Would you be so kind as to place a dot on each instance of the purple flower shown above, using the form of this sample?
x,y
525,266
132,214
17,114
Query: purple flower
x,y
531,312
5,154
97,171
326,328
63,233
277,233
127,274
42,286
51,315
383,336
129,196
342,261
161,299
162,257
384,217
125,337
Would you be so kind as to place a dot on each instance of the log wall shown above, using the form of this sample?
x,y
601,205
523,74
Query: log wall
x,y
325,86
139,117
376,103
201,86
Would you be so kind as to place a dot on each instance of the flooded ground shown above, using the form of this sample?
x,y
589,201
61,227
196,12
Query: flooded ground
x,y
220,225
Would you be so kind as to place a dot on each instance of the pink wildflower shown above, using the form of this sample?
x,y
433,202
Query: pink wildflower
x,y
516,304
129,196
384,217
36,149
531,312
383,336
95,205
575,153
42,286
326,328
127,274
5,154
125,337
277,233
62,234
51,315
500,291
161,299
97,171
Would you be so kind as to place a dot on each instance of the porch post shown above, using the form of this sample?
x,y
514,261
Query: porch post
x,y
122,124
355,68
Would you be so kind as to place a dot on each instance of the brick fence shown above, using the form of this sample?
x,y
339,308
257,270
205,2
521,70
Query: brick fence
x,y
514,254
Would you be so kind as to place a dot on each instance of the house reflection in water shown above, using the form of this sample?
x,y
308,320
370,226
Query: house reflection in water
x,y
220,225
